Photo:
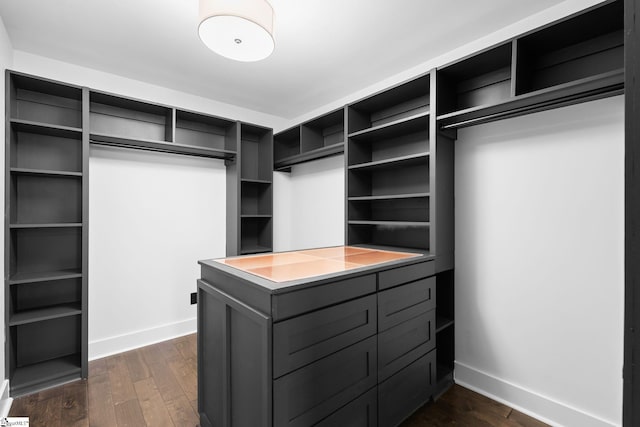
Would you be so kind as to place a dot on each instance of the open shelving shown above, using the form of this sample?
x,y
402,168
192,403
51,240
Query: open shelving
x,y
315,139
576,59
250,193
46,232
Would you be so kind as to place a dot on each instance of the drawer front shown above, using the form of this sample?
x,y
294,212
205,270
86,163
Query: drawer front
x,y
312,393
400,275
307,338
400,304
404,343
406,391
294,303
362,412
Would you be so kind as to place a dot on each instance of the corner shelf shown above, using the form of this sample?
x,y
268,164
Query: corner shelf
x,y
312,140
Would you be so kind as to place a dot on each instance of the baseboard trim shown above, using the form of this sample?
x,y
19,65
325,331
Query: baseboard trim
x,y
5,400
529,402
136,339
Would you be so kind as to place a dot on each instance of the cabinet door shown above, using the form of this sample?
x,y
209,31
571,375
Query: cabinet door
x,y
404,343
304,339
312,393
405,302
406,391
234,361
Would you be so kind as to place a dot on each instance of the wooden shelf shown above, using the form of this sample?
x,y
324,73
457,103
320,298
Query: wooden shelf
x,y
48,313
47,225
254,249
255,181
586,89
393,162
45,128
34,377
284,165
404,125
391,223
256,216
44,172
161,146
388,197
20,278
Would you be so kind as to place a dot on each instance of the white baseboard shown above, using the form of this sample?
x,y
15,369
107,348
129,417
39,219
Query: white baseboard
x,y
5,400
135,339
529,402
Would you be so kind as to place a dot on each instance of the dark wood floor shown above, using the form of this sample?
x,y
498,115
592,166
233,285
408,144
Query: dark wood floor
x,y
157,386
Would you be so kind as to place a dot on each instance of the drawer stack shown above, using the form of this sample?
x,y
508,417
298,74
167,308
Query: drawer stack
x,y
354,352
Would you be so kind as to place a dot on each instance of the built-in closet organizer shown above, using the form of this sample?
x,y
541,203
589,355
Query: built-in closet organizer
x,y
49,127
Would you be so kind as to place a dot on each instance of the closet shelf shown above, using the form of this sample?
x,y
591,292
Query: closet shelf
x,y
47,225
45,128
389,197
255,249
393,162
284,165
52,372
39,315
255,181
414,123
45,172
586,89
20,278
161,146
443,323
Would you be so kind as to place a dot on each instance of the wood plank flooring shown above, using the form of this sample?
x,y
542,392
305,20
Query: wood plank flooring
x,y
156,386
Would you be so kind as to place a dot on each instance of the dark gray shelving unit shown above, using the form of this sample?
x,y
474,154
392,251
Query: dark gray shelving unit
x,y
315,139
576,59
46,233
399,185
250,192
388,168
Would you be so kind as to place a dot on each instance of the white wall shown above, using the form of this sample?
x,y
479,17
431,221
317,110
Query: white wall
x,y
6,61
539,262
152,216
313,214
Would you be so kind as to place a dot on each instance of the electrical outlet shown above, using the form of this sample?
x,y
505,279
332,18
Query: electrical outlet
x,y
194,298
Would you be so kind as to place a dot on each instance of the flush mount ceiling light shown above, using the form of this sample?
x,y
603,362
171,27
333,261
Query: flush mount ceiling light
x,y
238,29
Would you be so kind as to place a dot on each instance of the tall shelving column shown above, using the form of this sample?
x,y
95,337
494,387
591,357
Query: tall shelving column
x,y
46,233
250,192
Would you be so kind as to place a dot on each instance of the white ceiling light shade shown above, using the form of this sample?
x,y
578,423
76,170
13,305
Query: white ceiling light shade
x,y
237,29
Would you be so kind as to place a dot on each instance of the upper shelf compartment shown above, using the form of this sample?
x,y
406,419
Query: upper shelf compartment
x,y
39,102
136,124
401,103
315,139
577,59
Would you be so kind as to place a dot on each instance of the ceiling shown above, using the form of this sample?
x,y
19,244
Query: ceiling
x,y
325,49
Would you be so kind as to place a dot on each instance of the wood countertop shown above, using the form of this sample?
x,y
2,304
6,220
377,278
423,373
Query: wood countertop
x,y
305,264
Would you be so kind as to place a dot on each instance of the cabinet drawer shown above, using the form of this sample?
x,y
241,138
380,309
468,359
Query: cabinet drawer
x,y
404,343
404,302
406,391
362,412
400,275
314,392
304,339
294,303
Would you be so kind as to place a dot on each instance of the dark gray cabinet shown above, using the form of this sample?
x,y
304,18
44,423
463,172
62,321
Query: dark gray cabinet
x,y
328,350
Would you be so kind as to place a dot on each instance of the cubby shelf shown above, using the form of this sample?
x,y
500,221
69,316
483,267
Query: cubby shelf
x,y
408,124
44,128
47,313
43,276
55,371
443,323
315,139
254,249
47,225
393,162
391,223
